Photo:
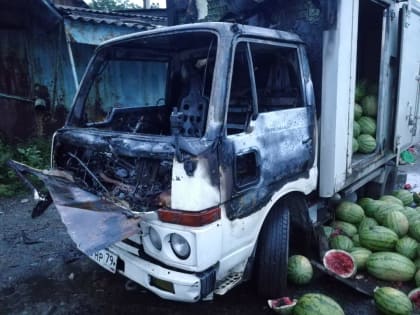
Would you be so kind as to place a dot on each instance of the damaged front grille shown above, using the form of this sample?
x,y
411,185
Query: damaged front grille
x,y
140,184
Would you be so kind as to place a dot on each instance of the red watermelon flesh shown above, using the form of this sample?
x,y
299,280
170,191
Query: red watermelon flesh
x,y
340,263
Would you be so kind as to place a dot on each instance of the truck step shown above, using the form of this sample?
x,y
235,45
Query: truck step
x,y
228,283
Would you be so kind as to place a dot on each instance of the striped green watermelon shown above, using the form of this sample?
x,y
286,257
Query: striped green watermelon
x,y
413,217
396,221
417,262
418,251
299,270
414,230
378,238
392,301
361,90
356,129
384,209
367,125
341,242
367,222
404,195
371,207
408,211
360,256
407,247
355,145
390,266
390,198
367,143
347,228
349,212
363,202
328,230
358,112
317,304
370,105
416,197
417,278
356,240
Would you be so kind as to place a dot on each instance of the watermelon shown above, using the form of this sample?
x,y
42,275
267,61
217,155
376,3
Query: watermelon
x,y
405,196
317,304
384,209
414,229
283,306
396,221
371,207
370,106
417,278
341,242
418,251
378,238
417,262
390,266
392,301
358,112
414,297
367,143
416,197
390,198
367,222
361,90
355,145
360,256
347,228
363,202
408,212
349,212
340,262
299,270
407,246
367,125
356,240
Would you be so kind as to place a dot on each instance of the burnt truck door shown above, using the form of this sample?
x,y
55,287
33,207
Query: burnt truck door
x,y
408,100
269,126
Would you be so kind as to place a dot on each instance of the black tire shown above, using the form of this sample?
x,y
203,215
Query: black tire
x,y
272,254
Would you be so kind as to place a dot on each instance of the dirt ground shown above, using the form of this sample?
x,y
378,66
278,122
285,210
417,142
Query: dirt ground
x,y
42,272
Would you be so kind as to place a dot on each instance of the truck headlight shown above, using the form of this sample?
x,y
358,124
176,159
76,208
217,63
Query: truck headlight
x,y
155,238
180,246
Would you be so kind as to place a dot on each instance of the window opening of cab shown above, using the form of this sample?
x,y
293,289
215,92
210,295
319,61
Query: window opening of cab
x,y
140,82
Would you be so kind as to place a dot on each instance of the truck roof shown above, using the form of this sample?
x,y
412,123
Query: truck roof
x,y
218,27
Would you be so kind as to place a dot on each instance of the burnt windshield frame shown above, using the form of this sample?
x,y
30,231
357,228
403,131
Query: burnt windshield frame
x,y
150,53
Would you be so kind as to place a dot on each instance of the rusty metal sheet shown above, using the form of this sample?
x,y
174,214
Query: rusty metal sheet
x,y
92,222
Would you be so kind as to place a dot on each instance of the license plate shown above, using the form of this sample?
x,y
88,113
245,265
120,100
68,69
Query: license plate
x,y
106,259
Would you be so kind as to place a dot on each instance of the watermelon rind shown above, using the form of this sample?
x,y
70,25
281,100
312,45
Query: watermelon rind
x,y
284,309
414,296
392,301
390,266
317,304
349,212
342,252
299,269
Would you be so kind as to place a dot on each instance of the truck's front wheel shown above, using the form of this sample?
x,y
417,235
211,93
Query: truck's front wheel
x,y
272,253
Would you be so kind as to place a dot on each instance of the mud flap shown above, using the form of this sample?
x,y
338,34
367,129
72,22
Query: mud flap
x,y
93,223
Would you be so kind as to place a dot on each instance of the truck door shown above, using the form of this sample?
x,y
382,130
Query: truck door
x,y
408,97
268,125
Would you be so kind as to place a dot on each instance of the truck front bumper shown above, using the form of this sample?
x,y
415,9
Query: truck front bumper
x,y
164,282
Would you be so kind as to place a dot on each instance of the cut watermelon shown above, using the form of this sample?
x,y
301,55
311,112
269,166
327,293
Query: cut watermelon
x,y
340,263
282,305
414,296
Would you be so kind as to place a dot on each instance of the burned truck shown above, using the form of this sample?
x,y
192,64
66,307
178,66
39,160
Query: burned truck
x,y
195,155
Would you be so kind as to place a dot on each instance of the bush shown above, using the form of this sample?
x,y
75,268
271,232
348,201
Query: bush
x,y
34,152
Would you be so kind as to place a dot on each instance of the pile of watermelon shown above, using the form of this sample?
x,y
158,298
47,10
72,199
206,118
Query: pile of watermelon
x,y
365,111
382,236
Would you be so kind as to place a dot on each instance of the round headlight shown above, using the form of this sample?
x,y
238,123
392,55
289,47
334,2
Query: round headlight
x,y
155,238
180,246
